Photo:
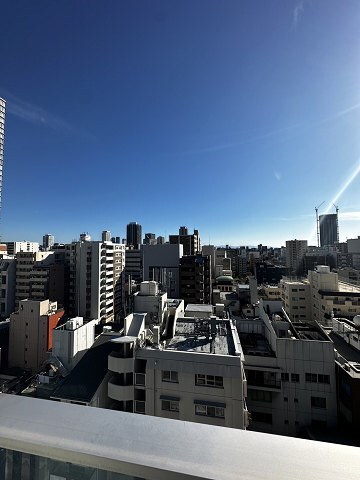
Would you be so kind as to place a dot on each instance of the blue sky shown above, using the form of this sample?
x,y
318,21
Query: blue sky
x,y
233,117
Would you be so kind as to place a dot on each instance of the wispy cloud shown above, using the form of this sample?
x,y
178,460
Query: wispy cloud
x,y
297,13
37,115
278,176
349,216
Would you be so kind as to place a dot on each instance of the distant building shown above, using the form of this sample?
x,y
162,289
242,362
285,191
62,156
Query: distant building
x,y
191,243
329,234
161,264
39,277
133,234
295,251
91,279
149,239
106,236
195,279
16,247
319,296
2,138
267,273
160,240
31,333
48,241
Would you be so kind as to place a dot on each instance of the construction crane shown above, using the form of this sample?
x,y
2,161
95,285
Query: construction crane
x,y
317,223
337,222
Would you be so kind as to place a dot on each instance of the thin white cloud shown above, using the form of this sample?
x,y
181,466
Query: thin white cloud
x,y
297,13
278,176
349,216
37,115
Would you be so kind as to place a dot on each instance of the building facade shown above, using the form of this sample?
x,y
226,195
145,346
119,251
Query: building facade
x,y
133,234
2,139
329,233
31,333
295,251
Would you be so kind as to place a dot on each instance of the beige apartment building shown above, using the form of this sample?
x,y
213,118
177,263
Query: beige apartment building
x,y
320,295
31,333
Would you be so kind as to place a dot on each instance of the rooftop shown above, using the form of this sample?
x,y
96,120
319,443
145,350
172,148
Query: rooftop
x,y
195,335
255,344
309,331
197,307
83,381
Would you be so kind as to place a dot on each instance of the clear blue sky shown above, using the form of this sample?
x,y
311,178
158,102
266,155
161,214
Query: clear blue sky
x,y
233,117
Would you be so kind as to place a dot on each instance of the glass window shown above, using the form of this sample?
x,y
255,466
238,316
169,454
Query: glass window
x,y
209,380
170,376
170,405
210,411
318,402
285,377
295,377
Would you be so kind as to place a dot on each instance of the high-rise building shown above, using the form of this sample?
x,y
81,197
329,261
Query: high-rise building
x,y
149,239
195,279
48,241
295,251
191,243
328,229
2,136
91,279
133,234
106,236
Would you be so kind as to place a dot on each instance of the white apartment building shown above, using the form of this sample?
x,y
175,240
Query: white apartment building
x,y
27,275
197,375
92,278
290,371
72,340
295,251
119,280
16,247
319,296
191,369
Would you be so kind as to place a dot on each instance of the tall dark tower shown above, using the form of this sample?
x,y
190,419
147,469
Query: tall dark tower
x,y
2,136
133,233
328,229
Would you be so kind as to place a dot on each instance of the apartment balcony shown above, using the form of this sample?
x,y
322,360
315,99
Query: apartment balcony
x,y
119,364
87,444
120,392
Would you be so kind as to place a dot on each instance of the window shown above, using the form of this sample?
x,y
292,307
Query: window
x,y
295,377
311,377
286,399
318,402
170,405
296,400
284,377
209,411
323,378
209,380
261,417
260,396
170,376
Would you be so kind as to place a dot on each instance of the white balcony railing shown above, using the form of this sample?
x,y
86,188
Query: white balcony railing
x,y
90,440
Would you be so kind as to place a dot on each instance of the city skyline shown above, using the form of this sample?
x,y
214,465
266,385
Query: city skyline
x,y
212,116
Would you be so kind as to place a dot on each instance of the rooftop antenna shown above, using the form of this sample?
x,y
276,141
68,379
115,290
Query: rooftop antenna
x,y
337,222
317,223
